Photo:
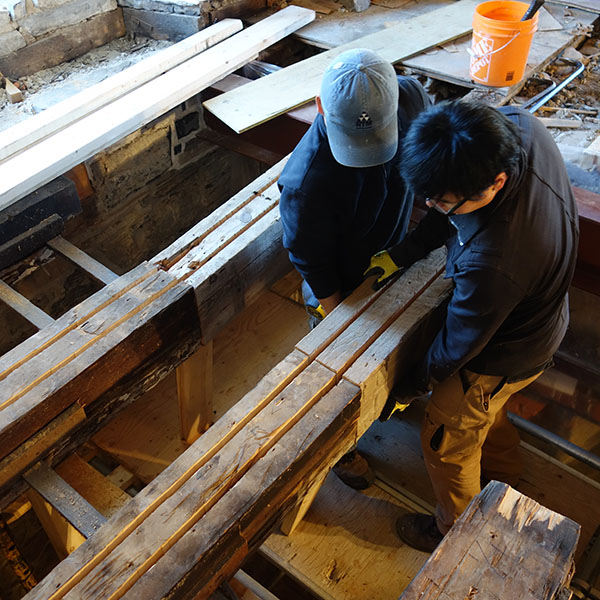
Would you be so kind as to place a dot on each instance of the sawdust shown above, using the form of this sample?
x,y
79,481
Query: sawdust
x,y
45,88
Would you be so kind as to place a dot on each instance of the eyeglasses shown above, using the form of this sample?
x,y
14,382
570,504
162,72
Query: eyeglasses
x,y
453,206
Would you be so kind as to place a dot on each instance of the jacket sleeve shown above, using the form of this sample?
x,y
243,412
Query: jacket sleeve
x,y
481,301
310,236
432,232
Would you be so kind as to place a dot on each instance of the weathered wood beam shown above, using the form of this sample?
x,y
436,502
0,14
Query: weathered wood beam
x,y
505,545
78,257
194,524
90,355
29,311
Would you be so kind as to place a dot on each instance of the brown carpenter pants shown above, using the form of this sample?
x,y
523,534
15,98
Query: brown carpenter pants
x,y
465,434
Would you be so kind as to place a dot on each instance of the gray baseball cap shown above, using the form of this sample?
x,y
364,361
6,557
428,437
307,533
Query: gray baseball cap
x,y
359,94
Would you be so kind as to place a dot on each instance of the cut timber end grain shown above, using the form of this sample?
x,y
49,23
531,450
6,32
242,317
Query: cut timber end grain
x,y
13,92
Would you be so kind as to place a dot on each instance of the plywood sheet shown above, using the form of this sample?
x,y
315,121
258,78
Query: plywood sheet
x,y
347,547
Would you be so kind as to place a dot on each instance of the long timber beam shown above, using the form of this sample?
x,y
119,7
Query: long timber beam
x,y
195,523
59,386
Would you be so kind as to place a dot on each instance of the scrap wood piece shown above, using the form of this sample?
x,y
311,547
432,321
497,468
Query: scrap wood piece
x,y
593,148
25,172
86,356
13,93
324,7
29,311
505,545
39,126
267,97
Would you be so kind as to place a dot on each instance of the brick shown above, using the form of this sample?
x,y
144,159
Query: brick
x,y
161,25
187,124
67,14
64,44
10,42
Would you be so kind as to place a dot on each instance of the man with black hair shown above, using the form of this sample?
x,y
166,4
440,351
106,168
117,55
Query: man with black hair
x,y
501,202
342,195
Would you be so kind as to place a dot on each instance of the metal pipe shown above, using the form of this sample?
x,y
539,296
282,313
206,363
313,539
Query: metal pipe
x,y
567,447
578,71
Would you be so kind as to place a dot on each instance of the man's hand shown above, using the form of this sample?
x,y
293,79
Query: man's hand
x,y
383,267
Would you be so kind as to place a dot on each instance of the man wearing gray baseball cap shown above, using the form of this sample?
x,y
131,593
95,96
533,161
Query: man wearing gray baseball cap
x,y
342,196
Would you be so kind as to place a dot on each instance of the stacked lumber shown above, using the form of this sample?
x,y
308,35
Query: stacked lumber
x,y
505,545
65,113
24,172
193,525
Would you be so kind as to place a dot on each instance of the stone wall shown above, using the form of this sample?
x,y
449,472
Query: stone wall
x,y
38,34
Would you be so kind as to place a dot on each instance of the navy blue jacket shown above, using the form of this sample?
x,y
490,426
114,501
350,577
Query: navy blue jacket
x,y
511,262
335,217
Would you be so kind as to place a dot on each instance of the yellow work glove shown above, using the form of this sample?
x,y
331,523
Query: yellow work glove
x,y
383,267
317,312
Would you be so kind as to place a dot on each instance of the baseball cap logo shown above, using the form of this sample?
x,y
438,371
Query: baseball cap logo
x,y
364,121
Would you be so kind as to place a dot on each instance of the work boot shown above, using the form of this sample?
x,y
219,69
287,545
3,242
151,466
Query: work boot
x,y
353,469
419,531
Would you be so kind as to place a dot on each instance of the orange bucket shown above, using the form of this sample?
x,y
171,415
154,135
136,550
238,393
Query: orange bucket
x,y
501,42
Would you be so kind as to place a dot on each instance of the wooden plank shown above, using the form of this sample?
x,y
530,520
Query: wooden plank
x,y
195,393
63,498
13,93
62,535
495,547
39,126
196,236
25,172
29,311
591,5
91,485
390,357
347,546
277,93
78,257
36,447
238,273
363,331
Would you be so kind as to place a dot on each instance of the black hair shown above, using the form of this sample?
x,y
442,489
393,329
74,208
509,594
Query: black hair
x,y
458,147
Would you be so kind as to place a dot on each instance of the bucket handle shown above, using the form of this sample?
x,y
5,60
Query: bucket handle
x,y
479,56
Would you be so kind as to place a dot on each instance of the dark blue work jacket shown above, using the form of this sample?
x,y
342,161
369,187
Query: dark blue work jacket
x,y
335,217
511,262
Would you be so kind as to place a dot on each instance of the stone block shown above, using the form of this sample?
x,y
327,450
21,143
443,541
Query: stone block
x,y
131,165
64,44
6,23
71,13
17,9
183,7
10,42
161,25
